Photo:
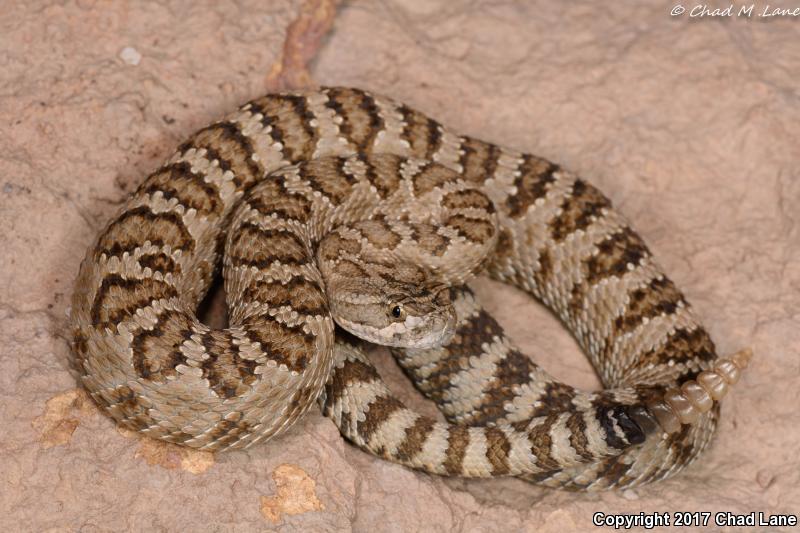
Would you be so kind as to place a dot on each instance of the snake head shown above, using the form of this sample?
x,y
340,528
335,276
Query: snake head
x,y
401,315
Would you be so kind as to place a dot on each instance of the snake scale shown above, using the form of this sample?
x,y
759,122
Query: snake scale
x,y
341,206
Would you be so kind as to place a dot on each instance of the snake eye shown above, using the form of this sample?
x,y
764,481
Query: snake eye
x,y
397,311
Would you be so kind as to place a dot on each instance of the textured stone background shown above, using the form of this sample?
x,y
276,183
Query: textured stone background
x,y
691,127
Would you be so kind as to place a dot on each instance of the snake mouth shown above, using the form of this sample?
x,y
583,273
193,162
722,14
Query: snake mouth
x,y
427,332
414,333
434,339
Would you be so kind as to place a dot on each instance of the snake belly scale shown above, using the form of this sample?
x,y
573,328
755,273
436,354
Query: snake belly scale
x,y
320,205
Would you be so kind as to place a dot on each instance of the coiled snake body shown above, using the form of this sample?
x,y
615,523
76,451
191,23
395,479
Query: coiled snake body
x,y
339,204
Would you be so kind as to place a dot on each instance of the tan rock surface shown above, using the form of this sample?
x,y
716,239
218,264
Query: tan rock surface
x,y
691,127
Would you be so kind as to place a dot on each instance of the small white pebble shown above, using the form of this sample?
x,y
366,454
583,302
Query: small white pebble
x,y
130,55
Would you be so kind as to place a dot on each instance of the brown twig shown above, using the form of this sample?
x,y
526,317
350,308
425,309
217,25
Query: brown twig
x,y
303,39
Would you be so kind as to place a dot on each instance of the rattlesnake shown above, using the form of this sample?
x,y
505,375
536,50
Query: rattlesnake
x,y
343,191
